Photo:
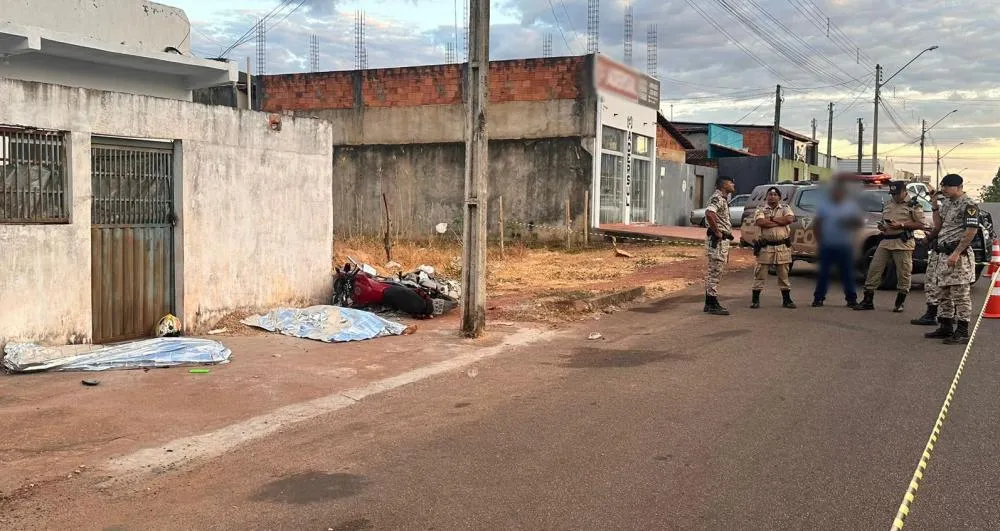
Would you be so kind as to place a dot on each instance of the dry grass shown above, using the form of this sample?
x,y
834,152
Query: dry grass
x,y
523,269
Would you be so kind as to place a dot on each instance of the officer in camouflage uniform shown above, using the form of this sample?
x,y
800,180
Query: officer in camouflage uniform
x,y
774,248
929,318
956,222
900,217
720,233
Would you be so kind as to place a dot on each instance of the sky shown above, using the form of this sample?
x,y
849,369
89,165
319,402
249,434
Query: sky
x,y
718,60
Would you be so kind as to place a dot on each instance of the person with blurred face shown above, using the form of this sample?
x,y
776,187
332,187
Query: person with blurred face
x,y
774,248
900,217
956,223
836,225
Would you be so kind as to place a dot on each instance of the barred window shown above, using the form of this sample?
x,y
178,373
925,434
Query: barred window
x,y
33,177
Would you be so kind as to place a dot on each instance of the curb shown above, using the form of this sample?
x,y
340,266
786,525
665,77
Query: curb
x,y
601,302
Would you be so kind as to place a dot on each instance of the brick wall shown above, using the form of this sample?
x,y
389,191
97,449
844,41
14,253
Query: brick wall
x,y
518,80
667,147
757,140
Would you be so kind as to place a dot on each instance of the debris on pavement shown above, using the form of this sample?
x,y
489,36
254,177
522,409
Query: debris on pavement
x,y
595,336
200,371
218,331
149,353
330,324
91,383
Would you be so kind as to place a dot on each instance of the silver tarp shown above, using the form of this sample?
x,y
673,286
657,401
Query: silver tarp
x,y
331,324
150,353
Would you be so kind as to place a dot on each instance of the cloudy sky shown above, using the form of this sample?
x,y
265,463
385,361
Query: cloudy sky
x,y
719,60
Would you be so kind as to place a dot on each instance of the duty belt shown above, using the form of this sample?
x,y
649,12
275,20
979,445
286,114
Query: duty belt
x,y
947,248
775,243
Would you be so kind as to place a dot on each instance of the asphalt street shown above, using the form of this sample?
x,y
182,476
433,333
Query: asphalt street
x,y
768,419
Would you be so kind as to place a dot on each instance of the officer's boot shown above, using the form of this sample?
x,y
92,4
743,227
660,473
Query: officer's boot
x,y
961,335
786,299
945,329
868,303
755,299
927,319
714,308
900,300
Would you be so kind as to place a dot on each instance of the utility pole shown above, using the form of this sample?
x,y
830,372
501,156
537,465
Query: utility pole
x,y
937,178
776,148
829,138
814,128
476,171
923,134
861,139
878,98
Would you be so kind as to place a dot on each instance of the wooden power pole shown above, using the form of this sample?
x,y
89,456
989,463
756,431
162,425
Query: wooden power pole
x,y
476,171
829,138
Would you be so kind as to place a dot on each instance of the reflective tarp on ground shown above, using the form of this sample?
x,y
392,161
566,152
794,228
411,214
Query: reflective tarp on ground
x,y
150,353
330,324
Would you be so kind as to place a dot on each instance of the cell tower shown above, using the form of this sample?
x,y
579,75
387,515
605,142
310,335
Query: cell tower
x,y
360,52
314,53
593,26
547,45
652,51
628,33
261,48
449,52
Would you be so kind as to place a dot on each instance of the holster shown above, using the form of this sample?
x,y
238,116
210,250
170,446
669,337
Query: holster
x,y
947,248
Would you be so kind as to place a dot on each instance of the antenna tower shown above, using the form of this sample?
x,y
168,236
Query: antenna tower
x,y
593,25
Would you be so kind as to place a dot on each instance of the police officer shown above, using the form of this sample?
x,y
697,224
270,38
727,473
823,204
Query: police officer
x,y
720,233
956,222
900,217
929,318
774,248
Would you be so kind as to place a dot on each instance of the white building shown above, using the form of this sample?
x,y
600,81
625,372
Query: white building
x,y
132,46
119,206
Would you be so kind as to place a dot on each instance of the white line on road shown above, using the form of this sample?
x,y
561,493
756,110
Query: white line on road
x,y
215,443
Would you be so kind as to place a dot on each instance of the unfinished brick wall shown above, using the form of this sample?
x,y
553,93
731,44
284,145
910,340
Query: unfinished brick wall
x,y
667,147
518,80
757,140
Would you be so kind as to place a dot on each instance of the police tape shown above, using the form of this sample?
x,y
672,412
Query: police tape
x,y
918,474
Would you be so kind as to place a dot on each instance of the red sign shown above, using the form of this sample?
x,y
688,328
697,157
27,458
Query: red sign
x,y
615,78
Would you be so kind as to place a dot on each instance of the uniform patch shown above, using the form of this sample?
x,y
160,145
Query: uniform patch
x,y
971,211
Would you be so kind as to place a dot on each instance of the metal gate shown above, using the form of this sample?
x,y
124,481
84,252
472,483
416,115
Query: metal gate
x,y
132,237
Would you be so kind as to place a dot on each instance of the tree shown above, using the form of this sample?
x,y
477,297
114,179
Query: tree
x,y
991,193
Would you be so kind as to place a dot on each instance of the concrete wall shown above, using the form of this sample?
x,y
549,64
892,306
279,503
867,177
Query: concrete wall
x,y
255,219
786,171
424,184
147,26
675,191
748,172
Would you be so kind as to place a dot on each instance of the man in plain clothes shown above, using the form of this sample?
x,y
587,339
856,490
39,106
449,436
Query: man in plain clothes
x,y
836,226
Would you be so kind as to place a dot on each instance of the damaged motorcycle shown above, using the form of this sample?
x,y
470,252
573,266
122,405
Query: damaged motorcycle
x,y
416,294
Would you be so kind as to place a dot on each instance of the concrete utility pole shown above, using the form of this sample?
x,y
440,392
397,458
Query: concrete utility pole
x,y
776,151
861,139
476,171
814,128
878,98
829,138
923,134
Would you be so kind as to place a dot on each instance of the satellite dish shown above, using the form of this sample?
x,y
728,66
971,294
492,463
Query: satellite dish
x,y
441,228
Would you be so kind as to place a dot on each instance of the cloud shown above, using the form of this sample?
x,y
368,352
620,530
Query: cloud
x,y
705,75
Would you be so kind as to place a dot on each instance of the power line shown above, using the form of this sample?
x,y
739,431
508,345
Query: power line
x,y
559,27
711,20
759,105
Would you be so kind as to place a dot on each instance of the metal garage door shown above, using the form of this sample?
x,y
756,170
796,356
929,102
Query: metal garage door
x,y
132,237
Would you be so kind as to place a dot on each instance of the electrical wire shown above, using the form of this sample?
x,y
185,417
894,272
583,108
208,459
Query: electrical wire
x,y
711,20
247,37
559,26
747,115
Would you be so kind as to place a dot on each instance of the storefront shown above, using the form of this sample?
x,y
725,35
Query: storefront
x,y
623,175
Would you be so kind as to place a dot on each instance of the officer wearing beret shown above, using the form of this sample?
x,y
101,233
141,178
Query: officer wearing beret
x,y
956,223
900,217
720,233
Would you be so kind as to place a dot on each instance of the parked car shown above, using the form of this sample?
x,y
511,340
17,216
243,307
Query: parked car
x,y
736,205
804,199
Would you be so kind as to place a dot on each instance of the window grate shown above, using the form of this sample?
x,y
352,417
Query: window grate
x,y
132,186
33,177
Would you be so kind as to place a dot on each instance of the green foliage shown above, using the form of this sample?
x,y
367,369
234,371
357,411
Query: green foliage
x,y
991,193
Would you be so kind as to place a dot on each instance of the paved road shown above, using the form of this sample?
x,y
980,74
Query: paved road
x,y
677,421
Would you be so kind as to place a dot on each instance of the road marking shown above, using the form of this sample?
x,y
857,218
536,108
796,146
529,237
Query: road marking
x,y
217,442
918,474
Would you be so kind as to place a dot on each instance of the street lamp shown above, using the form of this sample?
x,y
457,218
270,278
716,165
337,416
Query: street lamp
x,y
937,182
878,101
923,133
